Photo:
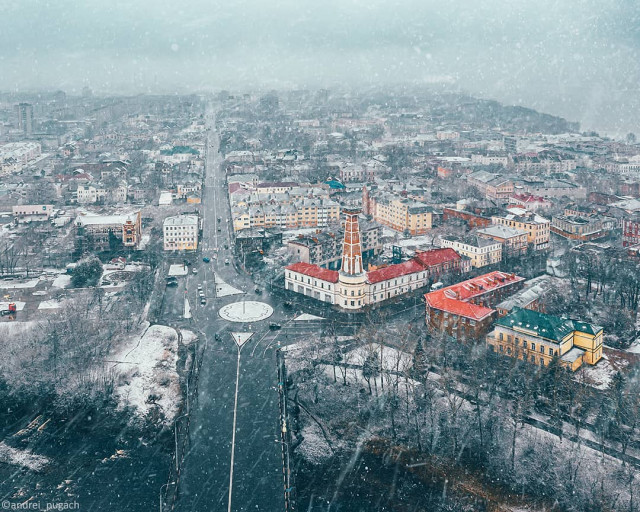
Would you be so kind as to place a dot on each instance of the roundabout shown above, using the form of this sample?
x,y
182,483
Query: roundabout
x,y
246,312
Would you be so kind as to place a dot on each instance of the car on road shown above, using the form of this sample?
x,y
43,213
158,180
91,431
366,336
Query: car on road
x,y
219,230
288,304
226,246
194,270
219,219
217,337
226,261
206,260
203,301
274,326
199,287
258,291
172,283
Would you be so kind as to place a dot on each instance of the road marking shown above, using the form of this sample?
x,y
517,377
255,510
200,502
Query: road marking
x,y
241,337
233,435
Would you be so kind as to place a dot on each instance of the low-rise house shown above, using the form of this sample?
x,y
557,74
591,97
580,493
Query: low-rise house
x,y
32,212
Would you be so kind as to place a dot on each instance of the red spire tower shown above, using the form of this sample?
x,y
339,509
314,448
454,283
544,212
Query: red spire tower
x,y
352,279
351,249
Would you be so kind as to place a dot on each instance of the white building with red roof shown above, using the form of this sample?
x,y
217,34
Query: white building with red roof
x,y
353,288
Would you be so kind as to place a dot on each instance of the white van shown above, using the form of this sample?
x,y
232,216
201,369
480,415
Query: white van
x,y
436,286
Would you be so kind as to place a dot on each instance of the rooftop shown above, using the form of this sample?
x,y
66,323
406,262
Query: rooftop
x,y
547,326
315,271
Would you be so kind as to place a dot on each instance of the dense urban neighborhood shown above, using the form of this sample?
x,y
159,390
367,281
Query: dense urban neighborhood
x,y
408,299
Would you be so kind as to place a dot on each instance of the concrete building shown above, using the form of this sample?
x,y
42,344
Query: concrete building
x,y
481,251
631,230
538,338
491,185
180,233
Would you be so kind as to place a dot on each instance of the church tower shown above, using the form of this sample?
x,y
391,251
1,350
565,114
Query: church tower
x,y
352,277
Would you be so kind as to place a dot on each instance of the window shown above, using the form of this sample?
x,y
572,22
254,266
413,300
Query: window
x,y
533,346
533,359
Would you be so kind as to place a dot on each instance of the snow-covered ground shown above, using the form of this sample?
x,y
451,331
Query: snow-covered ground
x,y
223,289
178,270
24,458
50,304
600,375
17,285
307,316
246,311
147,374
62,281
392,358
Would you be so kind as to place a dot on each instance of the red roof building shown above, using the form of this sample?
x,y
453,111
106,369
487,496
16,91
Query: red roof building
x,y
314,271
464,310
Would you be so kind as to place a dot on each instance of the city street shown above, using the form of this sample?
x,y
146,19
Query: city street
x,y
255,473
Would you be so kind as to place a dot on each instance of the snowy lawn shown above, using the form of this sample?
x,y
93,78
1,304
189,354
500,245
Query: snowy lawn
x,y
62,281
17,285
148,377
223,289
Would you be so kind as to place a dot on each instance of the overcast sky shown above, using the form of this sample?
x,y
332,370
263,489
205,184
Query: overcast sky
x,y
576,58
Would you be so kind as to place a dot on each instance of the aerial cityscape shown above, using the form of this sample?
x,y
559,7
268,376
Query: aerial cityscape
x,y
376,297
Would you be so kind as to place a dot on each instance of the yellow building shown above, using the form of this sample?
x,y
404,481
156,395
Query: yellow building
x,y
180,233
538,338
399,213
537,227
481,251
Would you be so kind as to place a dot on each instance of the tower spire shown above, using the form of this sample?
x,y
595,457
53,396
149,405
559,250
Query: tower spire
x,y
351,249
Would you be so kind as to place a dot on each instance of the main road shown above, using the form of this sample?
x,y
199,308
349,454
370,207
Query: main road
x,y
234,461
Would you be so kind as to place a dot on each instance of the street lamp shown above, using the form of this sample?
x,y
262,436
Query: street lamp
x,y
163,485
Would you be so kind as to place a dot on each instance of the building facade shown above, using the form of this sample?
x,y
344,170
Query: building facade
x,y
398,213
538,228
100,231
514,241
464,310
538,338
180,233
481,251
28,212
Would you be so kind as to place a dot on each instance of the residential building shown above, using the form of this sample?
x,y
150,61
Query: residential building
x,y
514,241
536,226
399,213
530,202
530,297
180,233
24,112
15,156
481,251
325,248
582,227
491,185
537,338
464,310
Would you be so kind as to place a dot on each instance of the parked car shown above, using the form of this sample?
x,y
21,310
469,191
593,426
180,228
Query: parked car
x,y
219,230
206,260
172,283
219,219
274,327
258,291
203,301
288,304
194,270
199,287
226,261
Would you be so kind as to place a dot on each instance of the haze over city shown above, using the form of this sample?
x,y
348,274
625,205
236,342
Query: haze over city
x,y
578,60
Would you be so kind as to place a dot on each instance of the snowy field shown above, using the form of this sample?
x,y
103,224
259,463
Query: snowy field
x,y
22,458
147,373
